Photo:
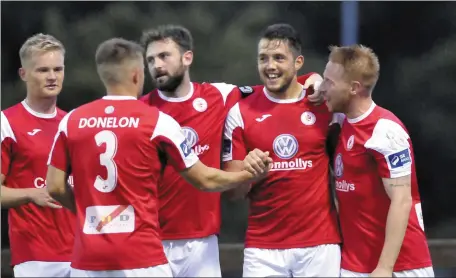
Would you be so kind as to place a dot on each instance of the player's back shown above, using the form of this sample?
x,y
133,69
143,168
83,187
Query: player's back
x,y
116,166
36,233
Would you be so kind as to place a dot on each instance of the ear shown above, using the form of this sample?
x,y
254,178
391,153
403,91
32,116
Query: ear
x,y
187,58
22,74
299,62
356,88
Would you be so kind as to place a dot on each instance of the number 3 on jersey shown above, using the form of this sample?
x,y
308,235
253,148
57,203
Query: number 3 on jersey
x,y
108,138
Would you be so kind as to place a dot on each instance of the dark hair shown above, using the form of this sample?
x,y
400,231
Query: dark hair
x,y
179,34
283,32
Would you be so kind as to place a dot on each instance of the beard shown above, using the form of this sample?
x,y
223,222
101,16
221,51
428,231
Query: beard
x,y
173,81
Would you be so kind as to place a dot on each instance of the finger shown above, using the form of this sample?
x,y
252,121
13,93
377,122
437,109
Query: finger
x,y
260,154
52,205
257,164
249,168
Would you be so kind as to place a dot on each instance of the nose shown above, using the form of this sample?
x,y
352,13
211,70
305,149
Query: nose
x,y
51,75
271,65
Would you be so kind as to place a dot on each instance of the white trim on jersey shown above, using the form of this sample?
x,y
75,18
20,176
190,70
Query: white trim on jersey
x,y
233,120
224,89
169,128
363,116
178,99
63,126
38,114
391,140
7,131
291,100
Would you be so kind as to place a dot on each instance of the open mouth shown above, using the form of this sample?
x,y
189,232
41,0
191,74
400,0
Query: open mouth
x,y
272,76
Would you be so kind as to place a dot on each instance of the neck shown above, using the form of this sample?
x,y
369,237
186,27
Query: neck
x,y
358,107
122,90
182,90
293,91
42,105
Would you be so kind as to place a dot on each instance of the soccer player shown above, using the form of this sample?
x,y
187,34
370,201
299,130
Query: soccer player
x,y
379,203
116,148
292,228
40,232
189,218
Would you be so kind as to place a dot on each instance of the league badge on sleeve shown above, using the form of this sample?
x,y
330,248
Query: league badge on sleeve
x,y
246,90
399,159
185,148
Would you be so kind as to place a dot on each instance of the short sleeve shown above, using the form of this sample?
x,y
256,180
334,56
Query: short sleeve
x,y
171,139
390,146
59,154
8,142
303,78
233,142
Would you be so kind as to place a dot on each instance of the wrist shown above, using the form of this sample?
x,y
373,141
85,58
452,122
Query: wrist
x,y
385,266
28,194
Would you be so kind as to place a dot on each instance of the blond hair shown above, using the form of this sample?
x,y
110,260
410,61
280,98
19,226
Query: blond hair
x,y
359,62
39,43
114,57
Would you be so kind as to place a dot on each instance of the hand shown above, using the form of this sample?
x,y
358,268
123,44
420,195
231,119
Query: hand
x,y
41,197
381,272
312,86
257,162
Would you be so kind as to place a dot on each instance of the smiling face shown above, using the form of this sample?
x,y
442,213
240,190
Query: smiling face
x,y
167,64
44,73
277,64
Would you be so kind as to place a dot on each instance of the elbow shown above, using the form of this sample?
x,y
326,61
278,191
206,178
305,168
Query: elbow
x,y
54,190
405,203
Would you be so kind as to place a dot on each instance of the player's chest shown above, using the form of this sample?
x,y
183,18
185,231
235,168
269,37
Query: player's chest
x,y
35,142
352,157
286,129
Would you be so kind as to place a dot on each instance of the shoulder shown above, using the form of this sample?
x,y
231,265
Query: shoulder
x,y
12,111
388,134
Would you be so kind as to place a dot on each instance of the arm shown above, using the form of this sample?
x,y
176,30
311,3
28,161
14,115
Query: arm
x,y
58,168
234,150
12,197
59,189
214,180
172,141
239,192
390,147
399,191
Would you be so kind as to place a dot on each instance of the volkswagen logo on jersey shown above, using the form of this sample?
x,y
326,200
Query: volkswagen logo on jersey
x,y
191,135
338,166
285,146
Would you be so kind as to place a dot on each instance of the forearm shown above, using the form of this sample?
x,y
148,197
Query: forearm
x,y
14,197
216,180
239,192
65,197
396,226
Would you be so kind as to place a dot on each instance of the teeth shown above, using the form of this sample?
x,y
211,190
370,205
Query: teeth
x,y
273,75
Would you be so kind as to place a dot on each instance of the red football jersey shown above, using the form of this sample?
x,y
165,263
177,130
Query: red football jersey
x,y
186,212
373,146
116,148
292,207
36,233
